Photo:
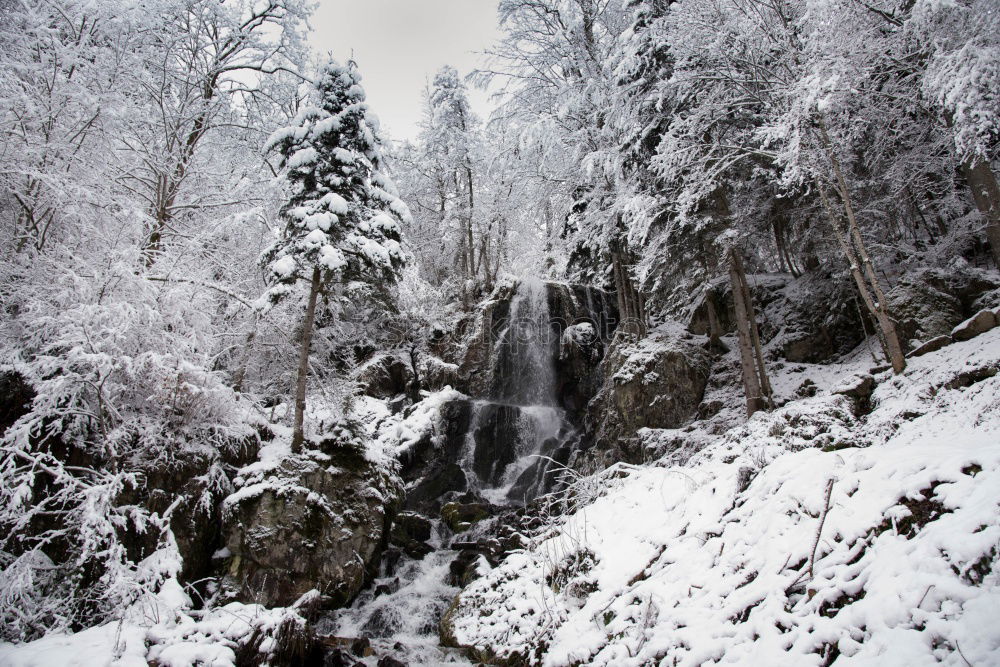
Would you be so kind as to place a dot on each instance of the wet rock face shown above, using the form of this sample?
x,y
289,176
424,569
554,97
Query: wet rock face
x,y
411,532
478,446
490,366
657,382
476,368
318,522
430,469
497,434
587,318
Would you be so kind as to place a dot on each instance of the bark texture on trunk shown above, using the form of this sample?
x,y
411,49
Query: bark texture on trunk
x,y
755,381
986,194
887,336
298,429
862,267
631,305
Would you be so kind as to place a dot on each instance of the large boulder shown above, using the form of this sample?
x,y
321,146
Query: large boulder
x,y
923,309
385,375
655,382
930,302
314,521
978,324
817,317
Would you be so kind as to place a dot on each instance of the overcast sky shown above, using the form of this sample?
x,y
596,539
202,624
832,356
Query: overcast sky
x,y
399,44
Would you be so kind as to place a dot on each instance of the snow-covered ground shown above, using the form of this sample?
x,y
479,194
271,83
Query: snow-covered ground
x,y
869,541
802,536
163,630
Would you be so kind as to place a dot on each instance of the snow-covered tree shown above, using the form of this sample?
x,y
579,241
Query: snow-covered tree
x,y
342,220
449,139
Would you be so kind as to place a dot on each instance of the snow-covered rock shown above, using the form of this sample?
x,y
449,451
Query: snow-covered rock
x,y
314,521
656,382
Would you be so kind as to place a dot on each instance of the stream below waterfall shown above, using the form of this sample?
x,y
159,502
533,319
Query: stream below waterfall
x,y
400,611
515,438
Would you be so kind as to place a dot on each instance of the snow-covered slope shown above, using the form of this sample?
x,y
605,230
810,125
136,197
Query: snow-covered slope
x,y
870,540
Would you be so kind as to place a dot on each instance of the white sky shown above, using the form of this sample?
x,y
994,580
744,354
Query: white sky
x,y
400,44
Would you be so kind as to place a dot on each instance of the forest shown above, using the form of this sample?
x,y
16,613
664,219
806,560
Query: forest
x,y
684,352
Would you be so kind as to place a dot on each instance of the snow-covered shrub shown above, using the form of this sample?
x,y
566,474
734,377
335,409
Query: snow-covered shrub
x,y
121,370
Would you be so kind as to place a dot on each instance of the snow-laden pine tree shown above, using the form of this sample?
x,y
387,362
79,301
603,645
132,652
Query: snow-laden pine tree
x,y
341,223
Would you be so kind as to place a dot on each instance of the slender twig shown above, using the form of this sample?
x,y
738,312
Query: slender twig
x,y
819,530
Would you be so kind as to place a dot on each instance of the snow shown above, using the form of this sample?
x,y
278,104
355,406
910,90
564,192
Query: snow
x,y
321,221
385,224
376,254
163,630
345,156
302,158
316,237
580,333
111,645
399,433
334,203
672,565
292,133
332,258
677,564
284,267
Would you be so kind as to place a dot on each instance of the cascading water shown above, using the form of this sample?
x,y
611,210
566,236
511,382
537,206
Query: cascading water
x,y
524,353
513,434
399,613
520,425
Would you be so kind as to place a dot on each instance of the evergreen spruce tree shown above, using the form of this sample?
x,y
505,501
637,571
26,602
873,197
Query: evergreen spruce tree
x,y
342,219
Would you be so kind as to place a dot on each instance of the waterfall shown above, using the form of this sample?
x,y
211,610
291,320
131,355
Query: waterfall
x,y
513,431
399,613
524,353
505,441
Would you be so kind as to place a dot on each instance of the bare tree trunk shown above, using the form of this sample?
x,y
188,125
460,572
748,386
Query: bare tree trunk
x,y
241,372
168,187
473,267
413,389
784,257
861,264
298,431
631,306
755,381
886,329
714,328
986,194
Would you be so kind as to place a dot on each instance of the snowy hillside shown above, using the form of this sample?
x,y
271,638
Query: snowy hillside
x,y
511,332
877,547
